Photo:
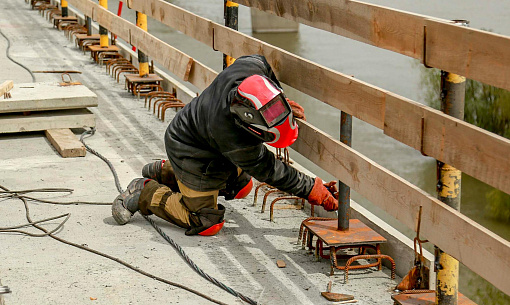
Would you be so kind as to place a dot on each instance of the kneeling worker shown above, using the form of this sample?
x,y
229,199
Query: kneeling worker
x,y
215,145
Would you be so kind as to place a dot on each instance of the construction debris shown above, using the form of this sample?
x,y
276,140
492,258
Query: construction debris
x,y
281,264
65,142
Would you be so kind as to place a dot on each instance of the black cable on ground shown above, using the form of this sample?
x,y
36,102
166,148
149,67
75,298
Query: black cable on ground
x,y
183,254
33,223
166,237
13,60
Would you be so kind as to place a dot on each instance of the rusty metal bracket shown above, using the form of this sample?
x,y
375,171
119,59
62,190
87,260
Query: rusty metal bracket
x,y
214,40
424,57
68,82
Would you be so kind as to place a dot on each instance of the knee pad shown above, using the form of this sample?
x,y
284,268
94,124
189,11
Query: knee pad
x,y
238,188
207,222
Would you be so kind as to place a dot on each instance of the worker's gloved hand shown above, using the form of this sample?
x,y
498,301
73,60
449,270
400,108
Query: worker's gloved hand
x,y
324,195
297,110
331,186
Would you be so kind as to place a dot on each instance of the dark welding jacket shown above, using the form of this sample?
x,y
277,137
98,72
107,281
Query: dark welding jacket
x,y
205,146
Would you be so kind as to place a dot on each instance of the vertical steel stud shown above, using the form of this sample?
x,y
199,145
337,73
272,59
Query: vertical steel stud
x,y
89,26
344,191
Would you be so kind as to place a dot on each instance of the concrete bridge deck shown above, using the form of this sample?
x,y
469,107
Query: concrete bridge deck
x,y
44,271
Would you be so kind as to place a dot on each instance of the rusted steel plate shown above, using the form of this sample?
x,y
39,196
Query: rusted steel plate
x,y
138,79
358,233
426,299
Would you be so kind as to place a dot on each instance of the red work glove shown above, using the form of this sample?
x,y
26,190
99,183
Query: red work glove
x,y
297,110
324,195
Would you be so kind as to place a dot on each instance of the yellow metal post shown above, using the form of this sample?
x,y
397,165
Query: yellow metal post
x,y
103,40
231,13
63,5
453,90
143,59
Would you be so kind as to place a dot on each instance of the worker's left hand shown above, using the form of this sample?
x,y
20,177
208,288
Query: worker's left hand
x,y
297,110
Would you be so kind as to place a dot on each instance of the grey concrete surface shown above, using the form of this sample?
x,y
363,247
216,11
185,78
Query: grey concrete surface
x,y
43,271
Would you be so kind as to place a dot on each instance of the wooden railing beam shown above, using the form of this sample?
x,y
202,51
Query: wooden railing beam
x,y
475,54
475,246
369,103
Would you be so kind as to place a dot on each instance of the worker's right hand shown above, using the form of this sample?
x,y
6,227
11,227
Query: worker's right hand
x,y
297,110
323,195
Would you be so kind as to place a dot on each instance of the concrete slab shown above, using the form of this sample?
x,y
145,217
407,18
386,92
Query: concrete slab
x,y
47,96
74,118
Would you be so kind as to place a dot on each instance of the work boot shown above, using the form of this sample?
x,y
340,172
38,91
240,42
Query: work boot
x,y
153,170
126,204
162,172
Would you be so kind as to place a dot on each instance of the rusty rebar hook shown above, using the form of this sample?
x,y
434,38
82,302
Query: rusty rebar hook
x,y
68,75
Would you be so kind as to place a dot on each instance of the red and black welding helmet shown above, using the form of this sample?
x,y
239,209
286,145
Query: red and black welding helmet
x,y
260,107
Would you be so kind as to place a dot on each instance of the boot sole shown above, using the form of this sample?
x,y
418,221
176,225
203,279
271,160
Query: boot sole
x,y
119,212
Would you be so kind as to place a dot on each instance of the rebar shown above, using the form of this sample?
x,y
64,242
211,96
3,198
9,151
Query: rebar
x,y
369,256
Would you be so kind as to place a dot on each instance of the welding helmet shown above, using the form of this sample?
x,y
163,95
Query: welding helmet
x,y
260,107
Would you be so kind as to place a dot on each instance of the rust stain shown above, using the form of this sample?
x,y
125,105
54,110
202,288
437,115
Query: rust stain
x,y
276,64
320,150
153,8
354,172
162,13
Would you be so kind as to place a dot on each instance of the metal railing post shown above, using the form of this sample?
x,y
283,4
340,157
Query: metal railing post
x,y
103,40
231,13
344,191
453,91
63,6
89,26
143,59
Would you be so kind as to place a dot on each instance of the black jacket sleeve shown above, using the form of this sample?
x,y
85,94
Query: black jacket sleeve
x,y
261,163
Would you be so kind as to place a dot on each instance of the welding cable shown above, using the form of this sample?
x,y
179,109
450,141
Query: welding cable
x,y
10,194
90,133
13,60
13,229
166,237
50,234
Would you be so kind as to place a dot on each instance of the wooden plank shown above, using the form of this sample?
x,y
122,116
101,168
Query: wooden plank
x,y
380,26
47,96
6,86
344,92
476,54
477,152
400,118
73,118
476,247
174,60
472,53
65,142
178,18
341,91
171,58
403,121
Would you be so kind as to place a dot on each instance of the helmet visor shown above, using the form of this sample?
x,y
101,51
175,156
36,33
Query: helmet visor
x,y
274,111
